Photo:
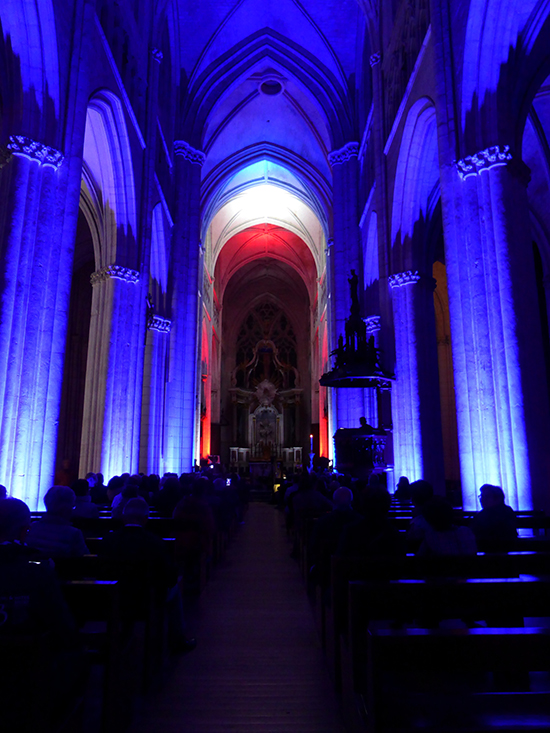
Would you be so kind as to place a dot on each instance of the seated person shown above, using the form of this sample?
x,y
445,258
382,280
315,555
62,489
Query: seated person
x,y
495,525
442,536
375,534
84,508
308,502
403,490
32,605
134,544
54,534
421,492
326,532
30,597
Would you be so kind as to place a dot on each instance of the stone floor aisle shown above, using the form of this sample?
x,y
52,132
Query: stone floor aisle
x,y
258,665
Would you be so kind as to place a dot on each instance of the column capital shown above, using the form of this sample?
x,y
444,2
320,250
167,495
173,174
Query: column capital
x,y
341,156
189,153
373,324
163,325
25,147
484,160
409,277
115,272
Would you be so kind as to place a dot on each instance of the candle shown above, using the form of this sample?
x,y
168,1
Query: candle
x,y
311,443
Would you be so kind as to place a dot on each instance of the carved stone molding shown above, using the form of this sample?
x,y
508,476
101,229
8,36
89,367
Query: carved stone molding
x,y
492,157
33,150
115,272
5,156
157,54
375,59
189,153
409,277
162,325
373,324
339,157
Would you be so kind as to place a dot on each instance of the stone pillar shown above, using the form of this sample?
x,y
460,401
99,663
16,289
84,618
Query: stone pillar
x,y
151,454
417,438
345,256
35,271
181,421
370,397
112,398
500,382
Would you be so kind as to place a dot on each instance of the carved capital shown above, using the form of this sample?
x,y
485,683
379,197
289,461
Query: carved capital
x,y
339,157
409,277
186,151
157,54
162,325
373,324
375,59
492,157
27,148
114,272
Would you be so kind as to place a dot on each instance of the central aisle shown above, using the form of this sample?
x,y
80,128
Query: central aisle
x,y
258,665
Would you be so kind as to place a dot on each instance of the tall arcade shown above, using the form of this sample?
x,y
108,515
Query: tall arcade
x,y
185,190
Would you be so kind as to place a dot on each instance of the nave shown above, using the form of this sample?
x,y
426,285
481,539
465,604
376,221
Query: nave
x,y
258,665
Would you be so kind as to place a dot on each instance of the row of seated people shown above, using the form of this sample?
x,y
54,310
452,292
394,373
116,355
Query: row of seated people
x,y
36,555
361,524
385,596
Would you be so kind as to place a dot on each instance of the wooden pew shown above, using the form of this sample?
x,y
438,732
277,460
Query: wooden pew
x,y
142,609
507,599
345,569
95,605
440,667
32,697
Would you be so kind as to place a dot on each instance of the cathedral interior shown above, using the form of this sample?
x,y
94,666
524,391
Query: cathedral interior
x,y
185,191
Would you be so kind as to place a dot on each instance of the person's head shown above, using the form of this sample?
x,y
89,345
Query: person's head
x,y
305,483
15,520
60,501
342,498
375,479
91,478
439,513
490,495
131,491
114,487
3,492
136,511
80,487
403,482
333,485
421,492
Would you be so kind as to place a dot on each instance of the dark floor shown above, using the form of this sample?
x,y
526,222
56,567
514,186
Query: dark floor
x,y
258,665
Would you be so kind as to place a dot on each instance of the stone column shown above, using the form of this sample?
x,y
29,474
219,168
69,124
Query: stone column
x,y
112,398
345,256
151,454
417,438
35,271
181,421
501,393
370,397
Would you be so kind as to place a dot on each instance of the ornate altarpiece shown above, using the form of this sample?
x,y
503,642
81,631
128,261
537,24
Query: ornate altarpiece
x,y
265,387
